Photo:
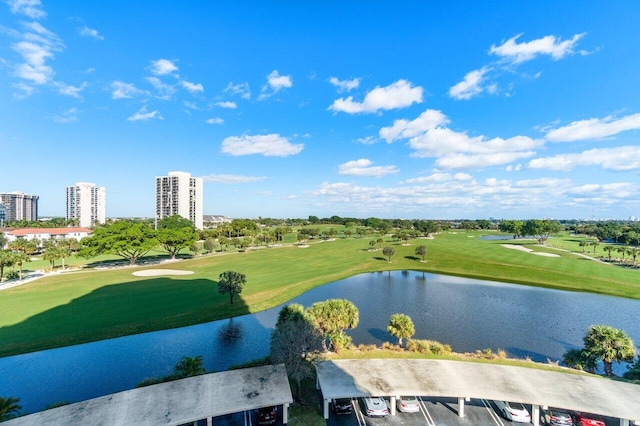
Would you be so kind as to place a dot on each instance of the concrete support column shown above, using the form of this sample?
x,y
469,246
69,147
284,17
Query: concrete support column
x,y
624,422
285,413
317,383
535,415
209,421
326,408
392,409
460,407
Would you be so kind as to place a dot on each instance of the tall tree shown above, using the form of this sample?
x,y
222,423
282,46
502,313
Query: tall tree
x,y
176,233
296,342
389,252
231,282
609,345
125,238
19,259
401,326
9,408
421,251
332,317
7,259
51,254
541,229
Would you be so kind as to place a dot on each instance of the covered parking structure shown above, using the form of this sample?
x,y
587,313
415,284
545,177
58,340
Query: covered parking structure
x,y
177,402
392,378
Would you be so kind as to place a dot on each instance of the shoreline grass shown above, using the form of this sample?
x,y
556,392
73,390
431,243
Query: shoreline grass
x,y
90,305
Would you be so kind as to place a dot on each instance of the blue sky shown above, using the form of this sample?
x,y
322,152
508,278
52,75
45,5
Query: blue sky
x,y
294,108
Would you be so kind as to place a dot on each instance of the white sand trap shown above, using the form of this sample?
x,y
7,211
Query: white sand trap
x,y
528,250
159,272
303,245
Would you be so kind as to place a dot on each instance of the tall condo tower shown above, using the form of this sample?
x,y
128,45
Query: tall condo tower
x,y
180,194
86,203
20,206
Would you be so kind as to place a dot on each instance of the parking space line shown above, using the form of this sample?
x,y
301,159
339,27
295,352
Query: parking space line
x,y
359,414
492,413
425,412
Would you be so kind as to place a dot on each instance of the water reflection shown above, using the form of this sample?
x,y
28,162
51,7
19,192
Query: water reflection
x,y
464,313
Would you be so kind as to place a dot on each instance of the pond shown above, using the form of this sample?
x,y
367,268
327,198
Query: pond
x,y
465,313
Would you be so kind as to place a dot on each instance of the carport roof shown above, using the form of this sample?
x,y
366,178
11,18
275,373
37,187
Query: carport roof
x,y
177,402
389,377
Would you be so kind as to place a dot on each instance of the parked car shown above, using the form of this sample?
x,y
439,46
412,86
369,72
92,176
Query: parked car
x,y
267,415
408,404
375,407
581,419
342,405
557,417
513,411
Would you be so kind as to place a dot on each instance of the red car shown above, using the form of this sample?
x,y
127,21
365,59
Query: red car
x,y
581,419
267,415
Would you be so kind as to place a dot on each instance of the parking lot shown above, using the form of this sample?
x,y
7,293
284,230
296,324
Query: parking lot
x,y
434,412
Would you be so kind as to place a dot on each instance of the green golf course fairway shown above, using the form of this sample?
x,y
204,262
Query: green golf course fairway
x,y
89,305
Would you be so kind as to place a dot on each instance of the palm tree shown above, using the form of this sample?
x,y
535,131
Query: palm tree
x,y
583,244
9,408
389,252
622,251
608,344
421,251
401,326
19,259
372,244
189,367
595,244
608,249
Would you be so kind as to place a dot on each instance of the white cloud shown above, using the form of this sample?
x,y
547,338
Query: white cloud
x,y
275,82
367,140
72,91
471,85
144,115
441,177
526,51
165,91
363,167
402,129
429,137
227,104
232,179
68,116
121,90
272,145
37,46
163,67
400,94
90,32
240,89
619,159
192,87
216,120
594,128
345,85
29,8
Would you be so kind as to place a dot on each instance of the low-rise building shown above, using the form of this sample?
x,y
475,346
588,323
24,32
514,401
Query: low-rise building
x,y
43,234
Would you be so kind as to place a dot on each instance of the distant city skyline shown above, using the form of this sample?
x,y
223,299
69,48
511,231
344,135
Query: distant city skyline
x,y
286,109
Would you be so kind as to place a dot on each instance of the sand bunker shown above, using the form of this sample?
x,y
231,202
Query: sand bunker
x,y
159,272
528,250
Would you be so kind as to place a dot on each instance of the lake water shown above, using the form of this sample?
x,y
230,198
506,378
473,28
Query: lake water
x,y
467,314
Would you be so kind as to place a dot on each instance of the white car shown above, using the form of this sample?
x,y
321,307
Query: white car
x,y
513,411
408,404
375,407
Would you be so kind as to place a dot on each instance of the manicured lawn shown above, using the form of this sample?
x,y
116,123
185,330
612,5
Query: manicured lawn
x,y
92,305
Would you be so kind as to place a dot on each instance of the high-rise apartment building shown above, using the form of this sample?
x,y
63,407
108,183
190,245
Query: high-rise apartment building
x,y
20,206
86,203
180,194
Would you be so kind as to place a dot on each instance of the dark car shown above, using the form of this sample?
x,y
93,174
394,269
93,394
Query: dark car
x,y
556,417
342,405
582,419
267,415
